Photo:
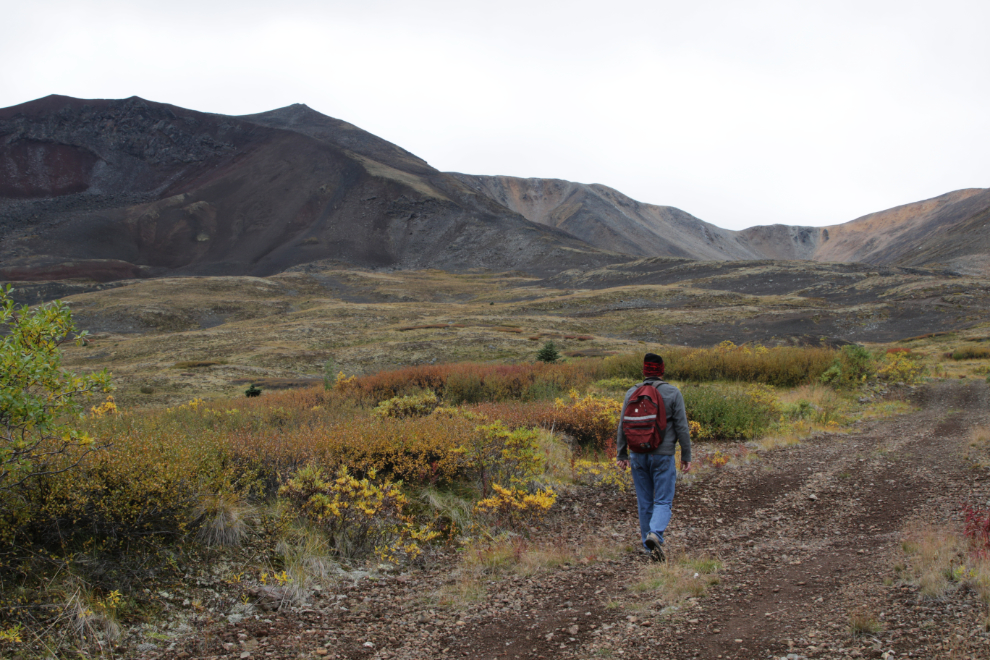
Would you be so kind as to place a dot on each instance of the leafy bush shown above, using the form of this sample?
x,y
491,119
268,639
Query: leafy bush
x,y
412,405
591,420
496,455
784,366
360,516
38,397
853,366
901,368
971,353
511,508
730,413
621,384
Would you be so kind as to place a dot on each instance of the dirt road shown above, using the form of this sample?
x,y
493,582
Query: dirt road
x,y
807,535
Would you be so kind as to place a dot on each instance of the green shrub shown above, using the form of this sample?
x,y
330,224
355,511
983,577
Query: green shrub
x,y
730,413
971,353
38,400
801,409
783,366
621,384
629,365
854,365
464,387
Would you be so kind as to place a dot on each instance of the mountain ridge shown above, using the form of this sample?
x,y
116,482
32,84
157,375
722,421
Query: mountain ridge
x,y
180,192
110,188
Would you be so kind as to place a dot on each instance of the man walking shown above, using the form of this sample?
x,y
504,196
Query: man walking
x,y
654,469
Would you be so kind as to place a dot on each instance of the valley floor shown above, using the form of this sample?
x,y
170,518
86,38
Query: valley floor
x,y
808,537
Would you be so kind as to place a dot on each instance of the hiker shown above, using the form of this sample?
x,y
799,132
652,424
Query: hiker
x,y
650,429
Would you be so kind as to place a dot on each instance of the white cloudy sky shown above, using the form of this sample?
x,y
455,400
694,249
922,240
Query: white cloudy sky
x,y
741,113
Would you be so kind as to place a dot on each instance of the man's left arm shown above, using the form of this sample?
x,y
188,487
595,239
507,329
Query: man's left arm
x,y
682,430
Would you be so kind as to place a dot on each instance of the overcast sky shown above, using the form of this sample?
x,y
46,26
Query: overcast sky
x,y
740,113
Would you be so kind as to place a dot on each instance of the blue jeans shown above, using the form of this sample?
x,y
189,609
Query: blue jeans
x,y
654,477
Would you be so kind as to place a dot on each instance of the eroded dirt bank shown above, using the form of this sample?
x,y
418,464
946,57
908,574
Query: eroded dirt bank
x,y
807,535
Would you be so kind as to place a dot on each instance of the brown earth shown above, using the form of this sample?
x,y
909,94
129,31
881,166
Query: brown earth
x,y
807,535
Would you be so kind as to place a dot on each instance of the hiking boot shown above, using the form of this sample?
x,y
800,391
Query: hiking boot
x,y
655,545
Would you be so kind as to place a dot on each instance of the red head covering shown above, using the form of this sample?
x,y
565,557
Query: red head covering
x,y
653,366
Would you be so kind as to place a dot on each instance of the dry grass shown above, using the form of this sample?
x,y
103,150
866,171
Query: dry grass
x,y
289,325
978,450
940,560
681,577
863,623
307,559
223,519
482,561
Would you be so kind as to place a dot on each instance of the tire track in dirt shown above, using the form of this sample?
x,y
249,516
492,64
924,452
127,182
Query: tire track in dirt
x,y
865,487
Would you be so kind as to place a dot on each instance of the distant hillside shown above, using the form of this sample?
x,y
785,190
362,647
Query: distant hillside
x,y
946,231
610,220
110,189
114,189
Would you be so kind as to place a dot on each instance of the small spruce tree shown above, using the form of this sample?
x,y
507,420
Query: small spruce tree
x,y
548,353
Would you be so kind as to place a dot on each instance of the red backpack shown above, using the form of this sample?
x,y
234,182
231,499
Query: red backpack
x,y
644,420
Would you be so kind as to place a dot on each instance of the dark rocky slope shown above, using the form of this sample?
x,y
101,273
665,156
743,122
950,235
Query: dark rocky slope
x,y
110,189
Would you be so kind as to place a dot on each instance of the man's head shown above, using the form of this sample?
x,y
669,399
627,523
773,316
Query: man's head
x,y
653,366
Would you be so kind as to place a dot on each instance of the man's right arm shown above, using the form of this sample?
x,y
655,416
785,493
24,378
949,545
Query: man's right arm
x,y
621,453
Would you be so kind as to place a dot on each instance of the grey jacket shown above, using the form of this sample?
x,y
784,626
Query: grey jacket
x,y
677,425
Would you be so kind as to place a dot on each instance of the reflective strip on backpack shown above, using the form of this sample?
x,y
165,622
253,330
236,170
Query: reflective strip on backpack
x,y
638,419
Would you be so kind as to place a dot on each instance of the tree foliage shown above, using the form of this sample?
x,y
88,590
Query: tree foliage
x,y
548,353
39,399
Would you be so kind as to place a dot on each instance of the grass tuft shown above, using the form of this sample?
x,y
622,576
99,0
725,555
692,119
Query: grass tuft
x,y
223,519
681,577
863,623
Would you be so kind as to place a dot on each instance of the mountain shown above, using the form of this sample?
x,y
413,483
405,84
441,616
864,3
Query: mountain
x,y
610,220
110,189
947,231
114,189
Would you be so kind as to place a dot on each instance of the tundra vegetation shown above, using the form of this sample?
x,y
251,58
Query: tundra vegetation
x,y
285,490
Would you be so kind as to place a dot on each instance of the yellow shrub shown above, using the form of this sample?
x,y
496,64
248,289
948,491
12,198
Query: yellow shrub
x,y
511,508
497,455
413,405
900,368
108,407
603,474
591,420
359,515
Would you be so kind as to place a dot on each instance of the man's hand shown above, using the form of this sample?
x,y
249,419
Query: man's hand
x,y
622,465
685,466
